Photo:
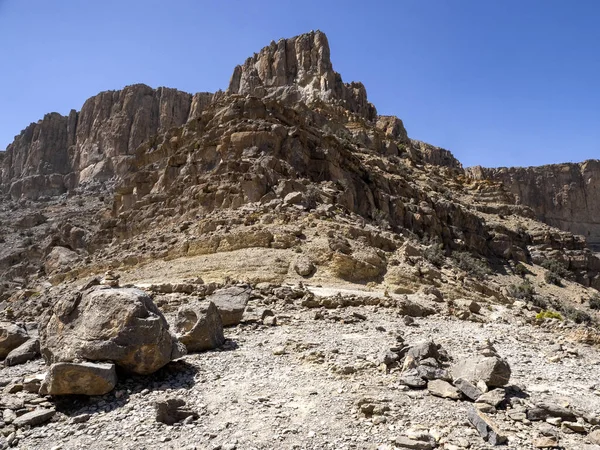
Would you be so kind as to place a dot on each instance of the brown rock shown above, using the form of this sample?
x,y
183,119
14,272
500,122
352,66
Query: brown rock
x,y
79,379
231,303
11,336
199,326
25,352
494,371
120,325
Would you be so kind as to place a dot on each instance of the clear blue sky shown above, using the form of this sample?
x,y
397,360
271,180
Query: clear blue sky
x,y
497,82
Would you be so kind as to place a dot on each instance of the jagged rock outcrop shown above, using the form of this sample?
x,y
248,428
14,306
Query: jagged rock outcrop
x,y
299,69
59,152
562,195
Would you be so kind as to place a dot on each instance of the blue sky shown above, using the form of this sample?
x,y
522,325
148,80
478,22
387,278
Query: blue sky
x,y
497,82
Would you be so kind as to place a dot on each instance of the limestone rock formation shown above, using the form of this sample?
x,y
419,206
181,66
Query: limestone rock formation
x,y
95,144
299,69
120,325
562,195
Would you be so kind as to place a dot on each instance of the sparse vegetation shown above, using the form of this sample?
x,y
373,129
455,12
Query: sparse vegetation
x,y
576,315
522,291
521,270
543,315
556,271
595,302
435,254
552,278
476,267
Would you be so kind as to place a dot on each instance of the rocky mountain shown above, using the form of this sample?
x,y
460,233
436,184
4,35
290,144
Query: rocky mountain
x,y
59,153
562,195
336,283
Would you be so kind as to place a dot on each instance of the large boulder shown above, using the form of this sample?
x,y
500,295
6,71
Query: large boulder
x,y
25,352
79,379
231,303
121,325
199,326
60,259
492,370
11,336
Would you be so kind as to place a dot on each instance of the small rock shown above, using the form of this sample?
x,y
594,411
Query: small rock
x,y
468,389
573,426
545,442
270,321
406,442
493,397
33,418
25,352
171,410
84,378
277,351
486,428
441,388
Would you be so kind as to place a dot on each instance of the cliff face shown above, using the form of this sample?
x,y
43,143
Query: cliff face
x,y
299,69
566,196
60,152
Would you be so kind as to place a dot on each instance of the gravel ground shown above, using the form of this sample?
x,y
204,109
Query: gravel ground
x,y
298,385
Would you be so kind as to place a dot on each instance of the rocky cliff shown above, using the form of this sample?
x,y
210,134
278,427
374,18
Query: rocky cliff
x,y
566,196
59,152
300,69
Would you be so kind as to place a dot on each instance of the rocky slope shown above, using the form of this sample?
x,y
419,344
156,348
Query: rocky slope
x,y
286,208
562,195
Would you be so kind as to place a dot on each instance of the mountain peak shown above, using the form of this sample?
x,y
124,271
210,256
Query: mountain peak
x,y
299,69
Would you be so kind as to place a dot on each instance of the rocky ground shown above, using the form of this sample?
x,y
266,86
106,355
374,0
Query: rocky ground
x,y
304,383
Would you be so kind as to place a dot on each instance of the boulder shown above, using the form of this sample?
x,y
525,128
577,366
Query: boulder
x,y
304,267
60,259
231,303
84,378
199,326
11,336
25,352
492,370
120,325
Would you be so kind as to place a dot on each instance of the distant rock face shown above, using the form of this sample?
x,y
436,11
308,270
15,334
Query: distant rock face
x,y
566,196
299,69
59,152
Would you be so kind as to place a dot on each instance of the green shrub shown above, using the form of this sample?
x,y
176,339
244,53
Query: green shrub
x,y
595,302
551,277
523,291
521,270
576,315
476,267
435,254
554,265
542,315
